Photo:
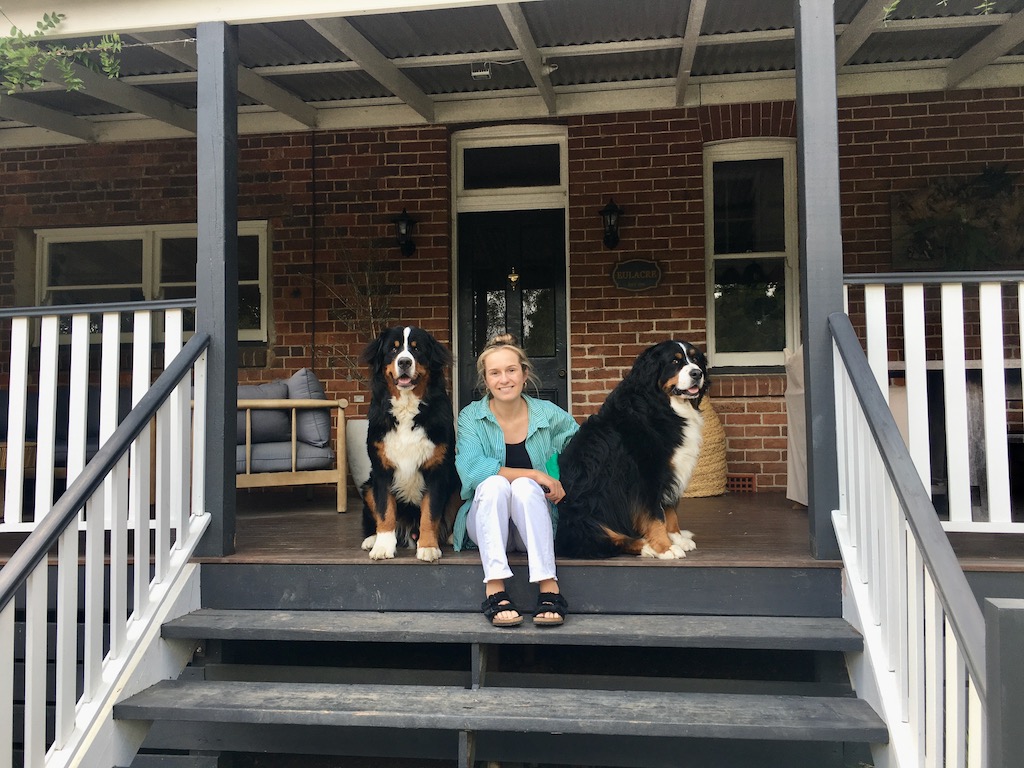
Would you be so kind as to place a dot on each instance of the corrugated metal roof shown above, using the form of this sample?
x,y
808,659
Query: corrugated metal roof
x,y
562,48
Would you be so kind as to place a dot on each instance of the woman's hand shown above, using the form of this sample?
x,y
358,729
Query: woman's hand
x,y
553,490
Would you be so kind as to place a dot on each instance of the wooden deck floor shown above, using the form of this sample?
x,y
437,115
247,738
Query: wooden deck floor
x,y
753,530
738,529
735,530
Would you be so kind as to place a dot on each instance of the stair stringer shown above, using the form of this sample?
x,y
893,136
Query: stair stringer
x,y
103,740
870,676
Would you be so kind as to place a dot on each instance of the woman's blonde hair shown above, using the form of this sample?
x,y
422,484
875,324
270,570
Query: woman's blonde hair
x,y
510,342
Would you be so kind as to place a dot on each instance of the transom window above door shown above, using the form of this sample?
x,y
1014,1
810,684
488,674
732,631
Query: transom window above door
x,y
98,265
751,251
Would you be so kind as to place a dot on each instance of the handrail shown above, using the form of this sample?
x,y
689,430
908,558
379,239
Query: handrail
x,y
97,309
65,511
964,614
932,278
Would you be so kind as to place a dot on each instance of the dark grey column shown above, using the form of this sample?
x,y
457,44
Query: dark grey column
x,y
821,256
1004,673
217,269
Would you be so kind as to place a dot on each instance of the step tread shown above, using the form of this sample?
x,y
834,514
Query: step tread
x,y
538,710
760,632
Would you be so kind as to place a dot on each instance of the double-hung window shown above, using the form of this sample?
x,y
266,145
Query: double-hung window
x,y
147,263
751,251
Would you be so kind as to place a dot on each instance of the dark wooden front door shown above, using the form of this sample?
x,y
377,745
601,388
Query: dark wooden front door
x,y
512,279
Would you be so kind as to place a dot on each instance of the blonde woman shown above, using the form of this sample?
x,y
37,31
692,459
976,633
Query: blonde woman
x,y
504,440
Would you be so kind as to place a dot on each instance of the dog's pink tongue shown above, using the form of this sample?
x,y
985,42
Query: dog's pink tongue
x,y
693,390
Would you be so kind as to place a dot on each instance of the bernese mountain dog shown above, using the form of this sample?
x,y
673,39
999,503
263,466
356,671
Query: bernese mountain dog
x,y
627,467
413,489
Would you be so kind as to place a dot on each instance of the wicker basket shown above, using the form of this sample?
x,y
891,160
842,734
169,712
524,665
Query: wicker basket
x,y
710,475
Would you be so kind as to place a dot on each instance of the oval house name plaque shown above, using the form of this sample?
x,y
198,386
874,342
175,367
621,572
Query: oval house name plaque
x,y
636,275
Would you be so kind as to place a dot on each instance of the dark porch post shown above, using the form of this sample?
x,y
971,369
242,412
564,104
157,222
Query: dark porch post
x,y
1004,672
217,269
821,256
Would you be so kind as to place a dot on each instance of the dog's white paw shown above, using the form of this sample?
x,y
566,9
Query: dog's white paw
x,y
679,551
384,547
683,540
668,554
428,554
368,542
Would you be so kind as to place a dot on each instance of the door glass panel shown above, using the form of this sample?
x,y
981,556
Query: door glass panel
x,y
750,206
750,305
538,321
535,165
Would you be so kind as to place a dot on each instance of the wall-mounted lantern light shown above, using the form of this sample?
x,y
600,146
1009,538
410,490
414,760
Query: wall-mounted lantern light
x,y
404,224
610,217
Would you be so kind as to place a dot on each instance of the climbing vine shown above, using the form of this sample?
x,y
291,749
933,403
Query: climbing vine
x,y
25,57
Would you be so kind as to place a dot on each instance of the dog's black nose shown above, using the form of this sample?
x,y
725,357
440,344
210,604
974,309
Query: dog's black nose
x,y
695,375
404,363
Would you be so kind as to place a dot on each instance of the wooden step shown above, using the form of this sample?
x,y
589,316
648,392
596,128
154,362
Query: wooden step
x,y
527,710
752,632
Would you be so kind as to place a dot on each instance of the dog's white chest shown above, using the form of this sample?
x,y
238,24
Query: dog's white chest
x,y
684,459
408,448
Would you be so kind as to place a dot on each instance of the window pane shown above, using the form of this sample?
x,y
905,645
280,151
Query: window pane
x,y
750,305
522,166
112,262
497,320
178,260
248,257
248,307
750,206
538,322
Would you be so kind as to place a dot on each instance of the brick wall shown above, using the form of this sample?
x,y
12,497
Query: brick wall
x,y
330,198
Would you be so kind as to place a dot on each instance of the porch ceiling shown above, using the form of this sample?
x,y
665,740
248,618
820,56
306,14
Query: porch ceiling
x,y
306,66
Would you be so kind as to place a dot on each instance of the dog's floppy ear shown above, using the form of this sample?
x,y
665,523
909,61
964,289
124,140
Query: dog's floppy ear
x,y
372,354
440,355
647,368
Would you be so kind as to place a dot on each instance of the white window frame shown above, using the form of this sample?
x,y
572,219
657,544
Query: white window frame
x,y
151,237
754,149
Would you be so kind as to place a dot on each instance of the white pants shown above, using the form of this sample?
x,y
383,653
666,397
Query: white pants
x,y
497,503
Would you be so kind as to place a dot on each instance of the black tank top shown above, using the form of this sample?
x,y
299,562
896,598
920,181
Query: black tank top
x,y
516,456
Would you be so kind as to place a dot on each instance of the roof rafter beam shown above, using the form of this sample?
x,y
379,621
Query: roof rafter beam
x,y
868,19
114,91
249,83
691,34
342,35
13,108
518,27
990,48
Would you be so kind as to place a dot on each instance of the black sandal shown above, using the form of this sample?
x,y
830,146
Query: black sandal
x,y
550,602
492,606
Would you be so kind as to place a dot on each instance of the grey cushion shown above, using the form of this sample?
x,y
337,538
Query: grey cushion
x,y
277,457
313,427
267,426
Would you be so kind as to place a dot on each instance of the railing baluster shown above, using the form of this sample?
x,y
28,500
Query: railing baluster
x,y
915,359
958,476
66,656
94,583
139,488
35,666
993,381
46,425
78,397
16,418
956,705
934,670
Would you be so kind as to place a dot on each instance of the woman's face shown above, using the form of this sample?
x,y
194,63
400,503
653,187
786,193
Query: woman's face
x,y
504,375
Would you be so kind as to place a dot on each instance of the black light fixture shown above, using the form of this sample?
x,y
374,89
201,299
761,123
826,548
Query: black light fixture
x,y
403,232
610,216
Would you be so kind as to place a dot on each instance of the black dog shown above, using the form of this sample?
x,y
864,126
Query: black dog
x,y
626,469
413,489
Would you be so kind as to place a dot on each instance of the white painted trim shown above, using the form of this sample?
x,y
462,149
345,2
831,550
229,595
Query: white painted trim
x,y
755,148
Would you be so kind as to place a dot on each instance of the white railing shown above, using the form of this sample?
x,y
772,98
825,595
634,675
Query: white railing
x,y
947,347
110,599
924,664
